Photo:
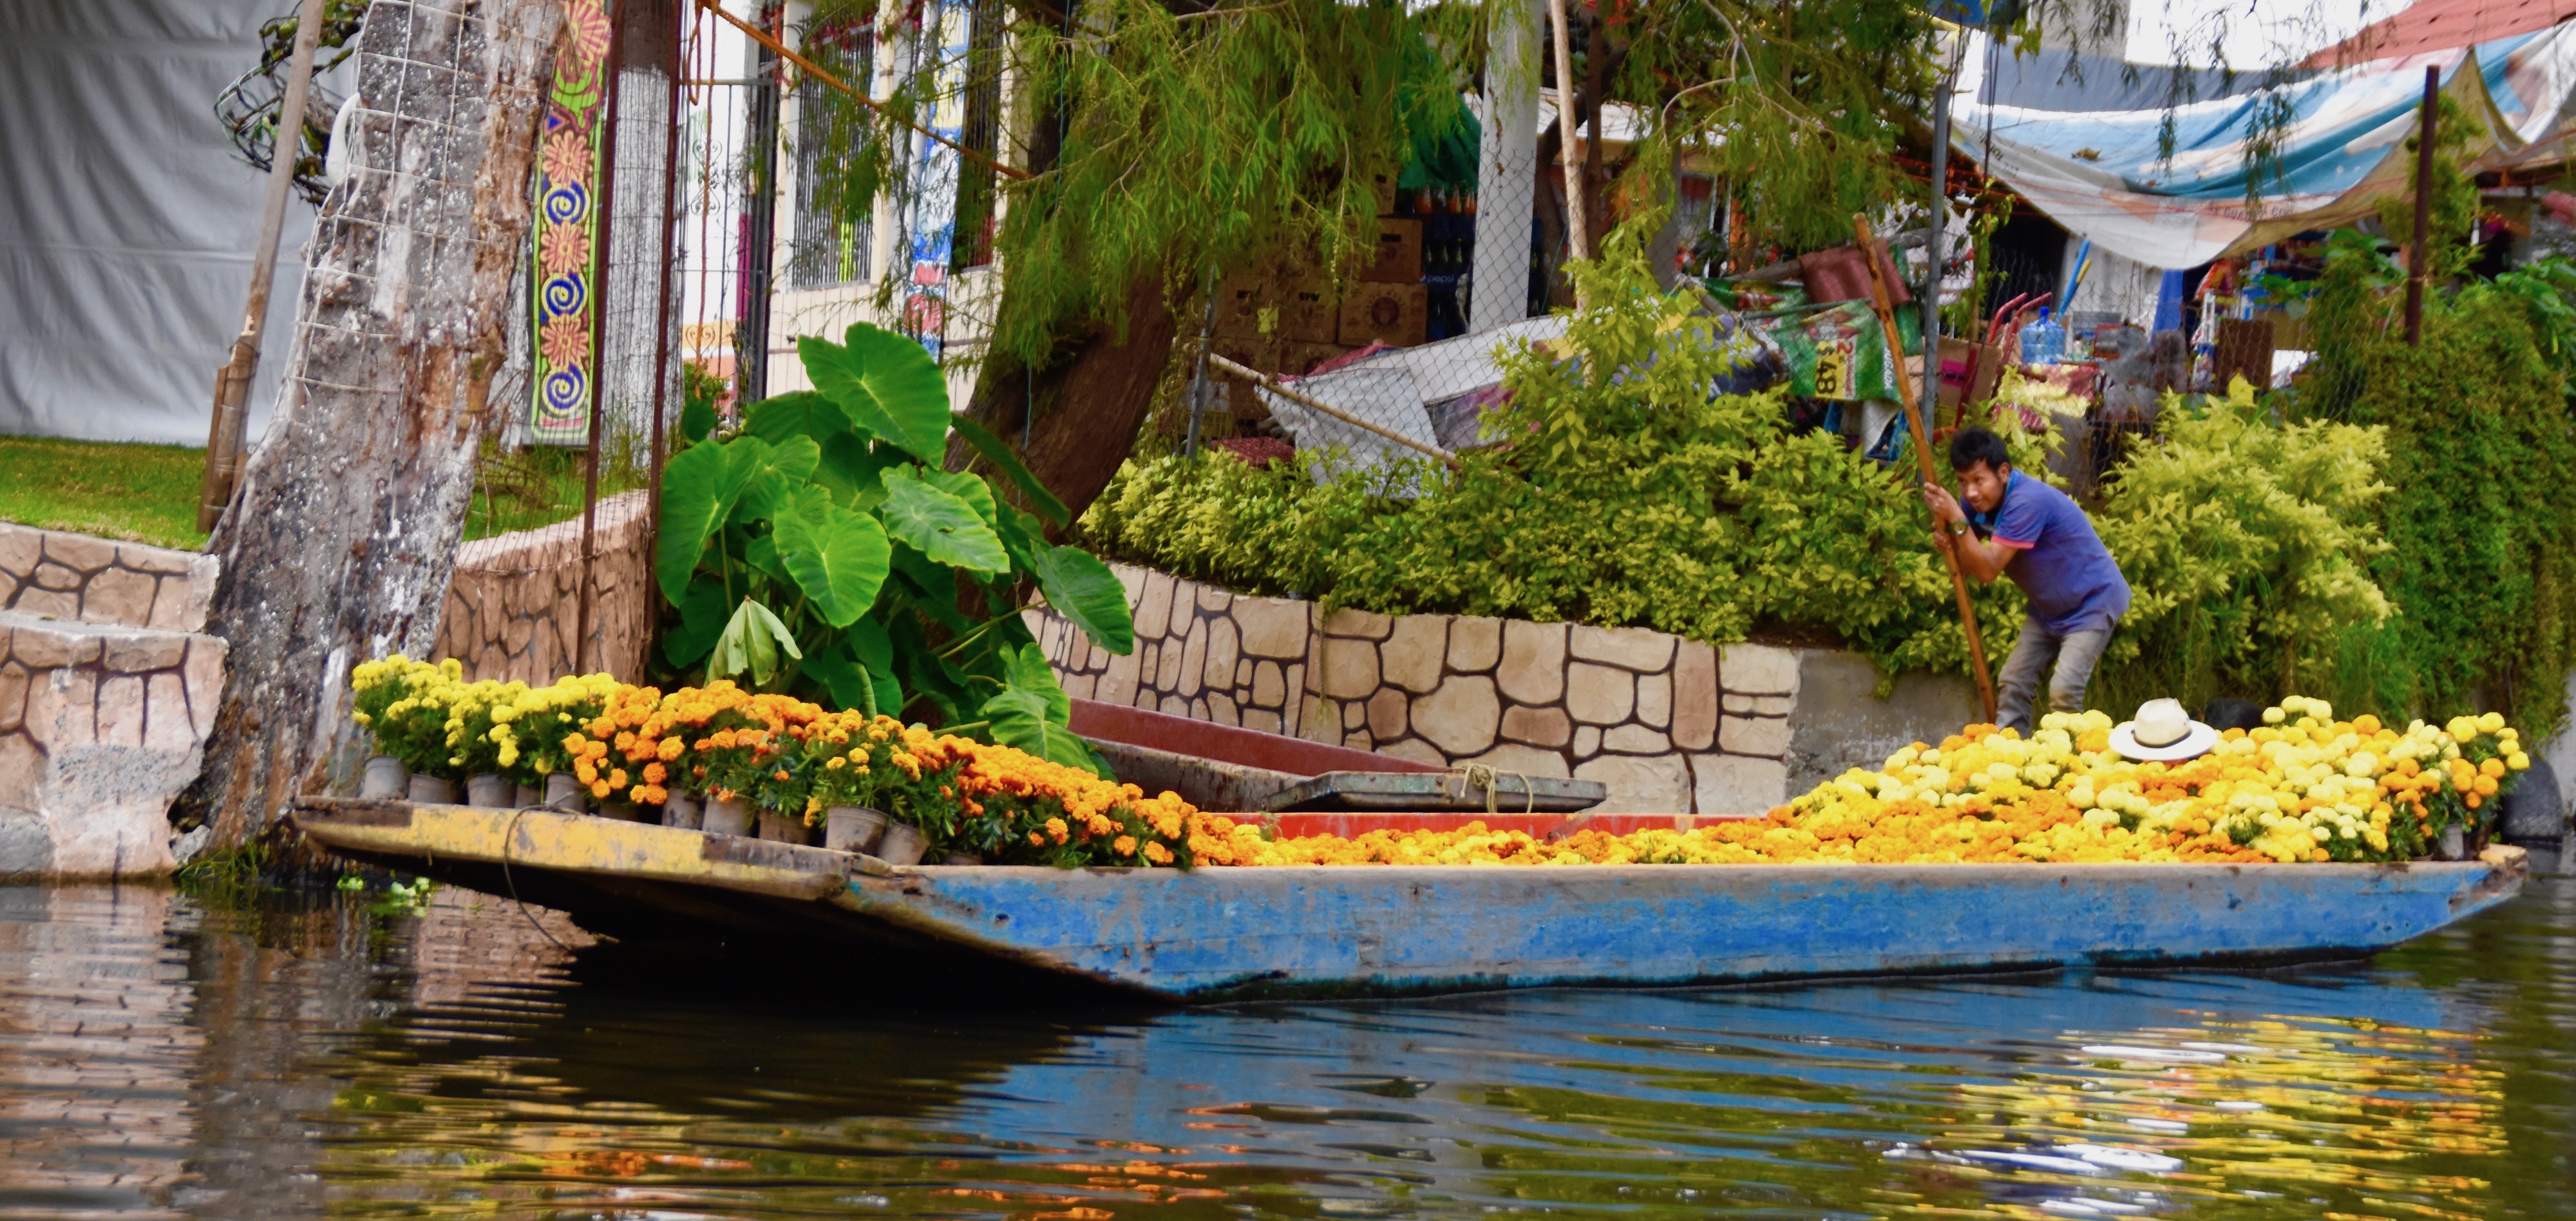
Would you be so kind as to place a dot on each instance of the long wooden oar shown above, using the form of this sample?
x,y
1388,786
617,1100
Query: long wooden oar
x,y
1910,405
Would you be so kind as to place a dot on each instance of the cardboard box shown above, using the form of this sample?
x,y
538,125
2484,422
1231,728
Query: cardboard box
x,y
1399,252
1394,314
1305,310
1240,300
1956,357
1384,186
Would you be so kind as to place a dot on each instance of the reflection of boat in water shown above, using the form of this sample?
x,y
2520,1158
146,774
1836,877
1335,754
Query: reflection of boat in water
x,y
695,1031
1237,933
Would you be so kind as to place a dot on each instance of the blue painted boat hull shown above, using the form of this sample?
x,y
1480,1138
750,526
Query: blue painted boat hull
x,y
1223,934
1231,934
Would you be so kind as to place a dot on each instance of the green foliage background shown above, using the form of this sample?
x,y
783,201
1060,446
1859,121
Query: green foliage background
x,y
1627,496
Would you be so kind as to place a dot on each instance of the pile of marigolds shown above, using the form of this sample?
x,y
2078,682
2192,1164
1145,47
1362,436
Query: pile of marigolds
x,y
2302,787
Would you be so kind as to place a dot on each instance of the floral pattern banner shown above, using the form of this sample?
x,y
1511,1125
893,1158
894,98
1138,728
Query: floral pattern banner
x,y
564,276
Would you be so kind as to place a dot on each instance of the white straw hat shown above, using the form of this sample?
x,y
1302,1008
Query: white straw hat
x,y
2162,731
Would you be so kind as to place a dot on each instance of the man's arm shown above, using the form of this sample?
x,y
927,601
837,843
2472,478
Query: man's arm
x,y
1983,559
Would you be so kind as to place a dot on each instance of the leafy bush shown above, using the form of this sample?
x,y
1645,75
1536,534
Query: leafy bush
x,y
2245,544
1623,493
821,549
2485,507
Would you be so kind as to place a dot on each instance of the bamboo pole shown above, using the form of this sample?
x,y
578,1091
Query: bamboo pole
x,y
232,382
1923,456
1578,235
2415,259
1273,385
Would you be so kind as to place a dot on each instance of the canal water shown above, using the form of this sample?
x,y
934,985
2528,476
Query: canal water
x,y
163,1057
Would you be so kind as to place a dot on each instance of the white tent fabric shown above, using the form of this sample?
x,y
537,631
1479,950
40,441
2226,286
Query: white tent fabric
x,y
126,221
2100,174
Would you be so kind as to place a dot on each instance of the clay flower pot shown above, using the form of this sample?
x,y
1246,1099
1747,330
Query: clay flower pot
x,y
622,811
785,828
726,817
529,796
902,844
490,791
682,811
852,828
385,779
564,792
432,790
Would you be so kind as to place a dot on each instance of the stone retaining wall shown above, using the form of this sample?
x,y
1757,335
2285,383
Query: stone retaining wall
x,y
98,580
101,726
515,604
1670,725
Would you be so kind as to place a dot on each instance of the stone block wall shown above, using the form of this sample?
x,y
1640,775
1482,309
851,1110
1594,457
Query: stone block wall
x,y
514,607
101,726
1669,725
96,580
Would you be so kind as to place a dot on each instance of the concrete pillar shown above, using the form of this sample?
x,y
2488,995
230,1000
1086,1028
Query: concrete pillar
x,y
1507,167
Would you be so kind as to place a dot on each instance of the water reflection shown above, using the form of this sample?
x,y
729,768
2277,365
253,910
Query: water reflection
x,y
158,1059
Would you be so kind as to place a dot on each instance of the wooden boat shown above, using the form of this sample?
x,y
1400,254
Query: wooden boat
x,y
1236,933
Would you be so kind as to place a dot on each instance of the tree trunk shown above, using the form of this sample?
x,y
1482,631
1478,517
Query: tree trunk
x,y
339,541
1088,407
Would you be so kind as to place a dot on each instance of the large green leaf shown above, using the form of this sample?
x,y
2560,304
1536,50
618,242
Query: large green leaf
x,y
969,488
854,470
1018,718
702,619
838,556
996,451
938,524
776,473
752,641
842,679
1026,667
699,490
868,642
1086,593
887,384
803,413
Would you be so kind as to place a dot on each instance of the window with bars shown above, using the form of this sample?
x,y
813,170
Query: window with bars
x,y
830,245
977,184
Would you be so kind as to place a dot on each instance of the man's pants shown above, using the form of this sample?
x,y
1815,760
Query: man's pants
x,y
2075,654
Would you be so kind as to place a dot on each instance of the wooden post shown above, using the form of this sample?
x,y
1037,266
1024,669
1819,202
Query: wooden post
x,y
1578,235
232,382
2415,259
682,16
599,299
1923,455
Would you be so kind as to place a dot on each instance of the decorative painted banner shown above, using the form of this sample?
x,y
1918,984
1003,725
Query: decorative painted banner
x,y
947,28
564,276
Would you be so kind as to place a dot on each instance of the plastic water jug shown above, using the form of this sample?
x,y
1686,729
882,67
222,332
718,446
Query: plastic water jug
x,y
2043,342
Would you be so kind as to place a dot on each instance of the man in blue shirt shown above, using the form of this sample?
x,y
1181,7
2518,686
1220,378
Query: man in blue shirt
x,y
2038,536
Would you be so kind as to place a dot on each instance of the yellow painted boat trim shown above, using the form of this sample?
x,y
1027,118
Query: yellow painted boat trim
x,y
575,843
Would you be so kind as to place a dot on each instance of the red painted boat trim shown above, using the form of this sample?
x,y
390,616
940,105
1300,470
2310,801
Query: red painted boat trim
x,y
1227,744
1538,826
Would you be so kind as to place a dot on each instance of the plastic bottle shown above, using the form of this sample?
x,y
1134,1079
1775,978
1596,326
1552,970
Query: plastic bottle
x,y
2043,342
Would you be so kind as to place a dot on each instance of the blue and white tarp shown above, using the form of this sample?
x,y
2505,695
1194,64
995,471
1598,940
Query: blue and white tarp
x,y
2099,173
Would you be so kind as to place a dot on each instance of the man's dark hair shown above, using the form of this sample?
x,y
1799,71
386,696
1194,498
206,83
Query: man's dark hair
x,y
1974,445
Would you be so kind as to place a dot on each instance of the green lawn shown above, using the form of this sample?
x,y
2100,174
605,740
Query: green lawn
x,y
148,493
139,493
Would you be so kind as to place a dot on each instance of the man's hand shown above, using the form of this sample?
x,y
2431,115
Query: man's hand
x,y
1945,507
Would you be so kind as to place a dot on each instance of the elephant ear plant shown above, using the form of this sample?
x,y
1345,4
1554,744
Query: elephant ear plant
x,y
820,549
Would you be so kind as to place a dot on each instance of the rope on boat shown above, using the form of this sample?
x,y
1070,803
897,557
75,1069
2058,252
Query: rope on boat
x,y
1479,775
